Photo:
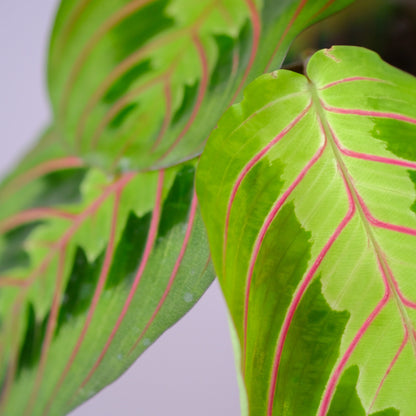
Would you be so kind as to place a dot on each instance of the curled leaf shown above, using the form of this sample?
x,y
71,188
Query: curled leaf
x,y
140,84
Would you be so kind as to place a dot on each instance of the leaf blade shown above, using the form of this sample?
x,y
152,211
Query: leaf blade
x,y
106,271
296,187
179,47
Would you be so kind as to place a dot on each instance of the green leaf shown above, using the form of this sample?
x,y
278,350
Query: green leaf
x,y
310,212
140,84
93,269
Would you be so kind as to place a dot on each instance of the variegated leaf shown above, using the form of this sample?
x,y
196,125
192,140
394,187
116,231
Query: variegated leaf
x,y
139,84
312,224
93,269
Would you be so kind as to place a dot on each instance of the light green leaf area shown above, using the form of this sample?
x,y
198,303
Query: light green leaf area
x,y
311,218
93,269
139,84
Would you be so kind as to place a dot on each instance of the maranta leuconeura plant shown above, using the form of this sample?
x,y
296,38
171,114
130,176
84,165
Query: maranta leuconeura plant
x,y
304,207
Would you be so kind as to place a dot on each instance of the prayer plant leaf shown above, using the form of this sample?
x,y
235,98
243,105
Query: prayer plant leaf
x,y
93,269
311,219
140,84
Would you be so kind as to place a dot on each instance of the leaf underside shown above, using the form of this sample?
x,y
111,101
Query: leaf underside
x,y
93,269
140,84
311,218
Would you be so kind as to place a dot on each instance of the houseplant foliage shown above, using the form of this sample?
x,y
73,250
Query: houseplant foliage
x,y
93,269
314,240
307,191
140,84
100,218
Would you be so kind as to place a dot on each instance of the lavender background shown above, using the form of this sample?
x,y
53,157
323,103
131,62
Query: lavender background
x,y
189,371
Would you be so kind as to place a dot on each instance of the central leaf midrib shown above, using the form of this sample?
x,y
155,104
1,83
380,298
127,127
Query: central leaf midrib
x,y
367,226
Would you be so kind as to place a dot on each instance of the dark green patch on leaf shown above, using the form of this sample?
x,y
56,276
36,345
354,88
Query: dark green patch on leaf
x,y
279,256
176,206
267,186
346,401
314,338
129,250
121,86
387,412
80,287
244,40
188,102
282,261
118,120
401,144
129,35
412,175
224,66
14,254
32,344
60,188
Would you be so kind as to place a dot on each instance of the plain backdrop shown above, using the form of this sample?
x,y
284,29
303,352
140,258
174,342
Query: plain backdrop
x,y
190,370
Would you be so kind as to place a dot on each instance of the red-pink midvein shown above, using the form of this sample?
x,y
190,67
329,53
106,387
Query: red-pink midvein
x,y
201,92
299,9
390,367
351,79
330,388
298,296
359,112
247,169
263,231
100,286
151,238
174,273
256,22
